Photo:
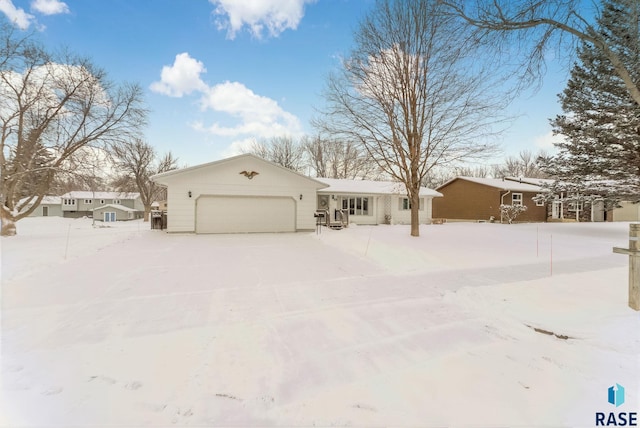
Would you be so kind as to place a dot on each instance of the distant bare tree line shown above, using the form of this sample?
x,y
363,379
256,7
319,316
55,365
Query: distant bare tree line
x,y
329,158
318,156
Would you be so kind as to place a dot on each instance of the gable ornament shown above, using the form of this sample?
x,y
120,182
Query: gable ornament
x,y
249,174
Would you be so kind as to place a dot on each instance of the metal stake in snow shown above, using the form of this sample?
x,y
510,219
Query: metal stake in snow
x,y
634,265
66,248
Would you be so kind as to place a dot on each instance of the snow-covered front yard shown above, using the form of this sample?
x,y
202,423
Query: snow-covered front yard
x,y
125,326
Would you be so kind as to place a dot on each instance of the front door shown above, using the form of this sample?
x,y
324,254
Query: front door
x,y
108,217
45,211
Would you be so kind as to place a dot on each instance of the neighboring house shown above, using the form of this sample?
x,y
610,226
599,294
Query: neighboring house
x,y
82,203
474,199
51,206
115,212
628,211
373,202
248,194
565,207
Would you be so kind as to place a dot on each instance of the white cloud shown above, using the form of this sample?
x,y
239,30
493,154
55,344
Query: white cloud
x,y
18,16
182,78
275,16
245,113
49,7
258,116
238,147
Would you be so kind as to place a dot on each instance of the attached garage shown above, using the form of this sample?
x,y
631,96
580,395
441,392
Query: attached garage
x,y
245,214
242,194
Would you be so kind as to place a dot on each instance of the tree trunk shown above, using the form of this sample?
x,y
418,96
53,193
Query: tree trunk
x,y
415,214
8,222
147,212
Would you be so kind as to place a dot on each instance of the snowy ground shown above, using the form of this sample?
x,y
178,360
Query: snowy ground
x,y
125,326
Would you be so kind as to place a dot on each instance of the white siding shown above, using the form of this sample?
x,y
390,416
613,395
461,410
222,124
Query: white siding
x,y
399,216
224,179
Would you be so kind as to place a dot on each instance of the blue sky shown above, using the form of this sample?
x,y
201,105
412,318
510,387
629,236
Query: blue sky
x,y
221,73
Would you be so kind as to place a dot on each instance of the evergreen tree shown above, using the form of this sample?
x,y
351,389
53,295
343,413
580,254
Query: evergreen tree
x,y
601,121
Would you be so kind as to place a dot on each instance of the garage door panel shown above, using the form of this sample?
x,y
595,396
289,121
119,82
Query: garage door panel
x,y
245,214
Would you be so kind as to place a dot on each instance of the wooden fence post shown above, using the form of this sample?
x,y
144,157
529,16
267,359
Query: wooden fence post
x,y
634,265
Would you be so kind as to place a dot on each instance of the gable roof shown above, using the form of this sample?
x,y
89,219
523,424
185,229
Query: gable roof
x,y
117,207
534,181
158,178
84,194
370,187
502,184
46,200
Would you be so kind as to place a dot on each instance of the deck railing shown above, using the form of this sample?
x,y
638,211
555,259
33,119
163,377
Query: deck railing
x,y
340,218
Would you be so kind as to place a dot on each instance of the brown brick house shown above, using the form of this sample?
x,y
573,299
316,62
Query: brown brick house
x,y
473,199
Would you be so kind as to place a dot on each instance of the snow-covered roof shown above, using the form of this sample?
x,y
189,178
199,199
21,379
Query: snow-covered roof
x,y
47,200
83,194
499,183
370,187
534,181
117,207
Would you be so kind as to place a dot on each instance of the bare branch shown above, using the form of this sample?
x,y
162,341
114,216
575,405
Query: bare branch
x,y
137,162
537,23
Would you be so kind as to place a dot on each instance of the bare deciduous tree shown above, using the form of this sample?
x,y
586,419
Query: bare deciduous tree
x,y
339,159
414,93
536,24
137,161
523,165
282,150
437,177
50,109
476,171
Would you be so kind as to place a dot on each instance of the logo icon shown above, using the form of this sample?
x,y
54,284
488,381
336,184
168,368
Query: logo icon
x,y
616,395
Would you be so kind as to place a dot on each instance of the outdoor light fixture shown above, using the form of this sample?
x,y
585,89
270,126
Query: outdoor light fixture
x,y
300,196
189,193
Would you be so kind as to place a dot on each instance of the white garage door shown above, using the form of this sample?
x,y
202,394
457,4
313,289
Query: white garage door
x,y
243,214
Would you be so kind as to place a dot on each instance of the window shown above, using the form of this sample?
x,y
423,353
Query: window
x,y
357,205
87,201
516,199
405,204
116,201
101,201
539,201
574,206
68,202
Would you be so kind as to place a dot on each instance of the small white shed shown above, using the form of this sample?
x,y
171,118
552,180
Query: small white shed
x,y
241,194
